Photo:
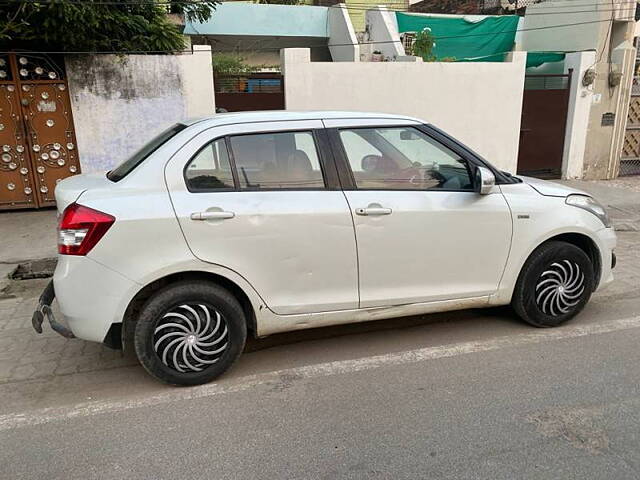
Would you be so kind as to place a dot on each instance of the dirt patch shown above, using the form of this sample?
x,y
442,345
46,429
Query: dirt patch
x,y
578,426
34,269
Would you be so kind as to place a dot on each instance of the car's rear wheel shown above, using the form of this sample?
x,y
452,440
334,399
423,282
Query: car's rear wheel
x,y
554,285
189,333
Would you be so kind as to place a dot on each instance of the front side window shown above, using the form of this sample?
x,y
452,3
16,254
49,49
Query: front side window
x,y
403,158
286,160
210,169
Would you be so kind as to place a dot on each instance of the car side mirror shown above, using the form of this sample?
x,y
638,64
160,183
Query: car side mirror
x,y
408,135
485,180
369,163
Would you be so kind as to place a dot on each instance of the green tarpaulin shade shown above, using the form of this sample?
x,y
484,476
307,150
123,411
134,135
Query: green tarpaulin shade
x,y
535,59
463,38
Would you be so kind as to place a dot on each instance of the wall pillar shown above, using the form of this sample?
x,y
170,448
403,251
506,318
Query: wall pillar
x,y
577,114
343,43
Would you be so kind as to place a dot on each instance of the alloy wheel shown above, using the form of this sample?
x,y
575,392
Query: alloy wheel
x,y
190,337
559,288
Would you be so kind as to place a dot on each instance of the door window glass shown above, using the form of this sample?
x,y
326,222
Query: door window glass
x,y
277,160
403,158
210,168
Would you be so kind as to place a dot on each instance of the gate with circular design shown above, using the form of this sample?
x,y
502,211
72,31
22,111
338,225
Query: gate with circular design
x,y
37,139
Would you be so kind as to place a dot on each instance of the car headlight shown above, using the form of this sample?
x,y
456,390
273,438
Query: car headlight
x,y
590,205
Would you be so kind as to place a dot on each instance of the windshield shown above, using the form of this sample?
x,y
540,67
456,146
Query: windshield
x,y
137,158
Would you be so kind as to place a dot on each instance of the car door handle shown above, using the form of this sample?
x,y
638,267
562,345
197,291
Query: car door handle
x,y
212,215
373,211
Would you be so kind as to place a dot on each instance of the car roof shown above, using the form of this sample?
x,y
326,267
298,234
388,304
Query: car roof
x,y
286,115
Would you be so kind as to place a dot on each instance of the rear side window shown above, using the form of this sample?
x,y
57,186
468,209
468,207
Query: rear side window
x,y
126,167
283,160
210,169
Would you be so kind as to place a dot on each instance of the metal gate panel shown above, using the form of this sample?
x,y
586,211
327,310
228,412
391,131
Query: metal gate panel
x,y
16,183
47,115
543,124
36,131
257,91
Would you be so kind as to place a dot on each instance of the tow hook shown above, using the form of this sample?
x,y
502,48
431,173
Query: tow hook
x,y
43,311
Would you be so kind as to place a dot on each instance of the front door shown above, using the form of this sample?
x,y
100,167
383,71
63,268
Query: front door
x,y
545,103
37,139
256,198
423,234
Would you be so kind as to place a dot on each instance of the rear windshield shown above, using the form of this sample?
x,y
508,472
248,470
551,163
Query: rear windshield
x,y
137,158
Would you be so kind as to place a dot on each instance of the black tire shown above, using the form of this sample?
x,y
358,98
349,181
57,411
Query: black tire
x,y
554,284
193,315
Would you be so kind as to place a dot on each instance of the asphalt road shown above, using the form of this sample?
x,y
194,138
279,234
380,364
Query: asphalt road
x,y
473,394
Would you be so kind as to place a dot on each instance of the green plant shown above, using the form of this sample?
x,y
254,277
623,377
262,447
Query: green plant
x,y
423,45
231,64
81,26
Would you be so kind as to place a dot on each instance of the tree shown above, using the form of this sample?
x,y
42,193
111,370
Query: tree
x,y
100,26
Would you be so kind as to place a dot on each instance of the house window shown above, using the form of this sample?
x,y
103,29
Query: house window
x,y
407,42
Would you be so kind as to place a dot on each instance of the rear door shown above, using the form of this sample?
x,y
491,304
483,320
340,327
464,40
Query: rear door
x,y
263,200
423,234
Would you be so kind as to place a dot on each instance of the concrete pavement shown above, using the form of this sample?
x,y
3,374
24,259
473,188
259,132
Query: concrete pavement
x,y
27,235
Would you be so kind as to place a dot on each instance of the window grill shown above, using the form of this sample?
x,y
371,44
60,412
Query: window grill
x,y
630,158
408,39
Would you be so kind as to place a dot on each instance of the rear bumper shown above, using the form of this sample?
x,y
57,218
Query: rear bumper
x,y
91,296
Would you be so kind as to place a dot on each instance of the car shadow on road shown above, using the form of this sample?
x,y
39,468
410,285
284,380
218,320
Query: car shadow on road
x,y
502,314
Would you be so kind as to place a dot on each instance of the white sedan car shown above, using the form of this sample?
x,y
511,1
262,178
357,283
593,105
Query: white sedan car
x,y
257,223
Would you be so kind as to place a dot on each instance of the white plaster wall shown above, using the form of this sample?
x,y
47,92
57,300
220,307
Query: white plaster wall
x,y
478,103
580,98
578,25
197,81
342,35
382,33
119,103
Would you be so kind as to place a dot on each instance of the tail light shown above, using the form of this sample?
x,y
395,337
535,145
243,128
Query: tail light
x,y
81,228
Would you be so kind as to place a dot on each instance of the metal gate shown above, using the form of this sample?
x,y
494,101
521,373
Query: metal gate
x,y
37,139
257,91
543,123
630,159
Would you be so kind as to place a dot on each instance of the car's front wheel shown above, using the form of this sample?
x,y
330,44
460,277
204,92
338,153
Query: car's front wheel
x,y
554,285
190,332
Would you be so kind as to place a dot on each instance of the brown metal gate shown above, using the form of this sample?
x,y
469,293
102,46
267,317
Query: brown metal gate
x,y
257,91
543,123
37,139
